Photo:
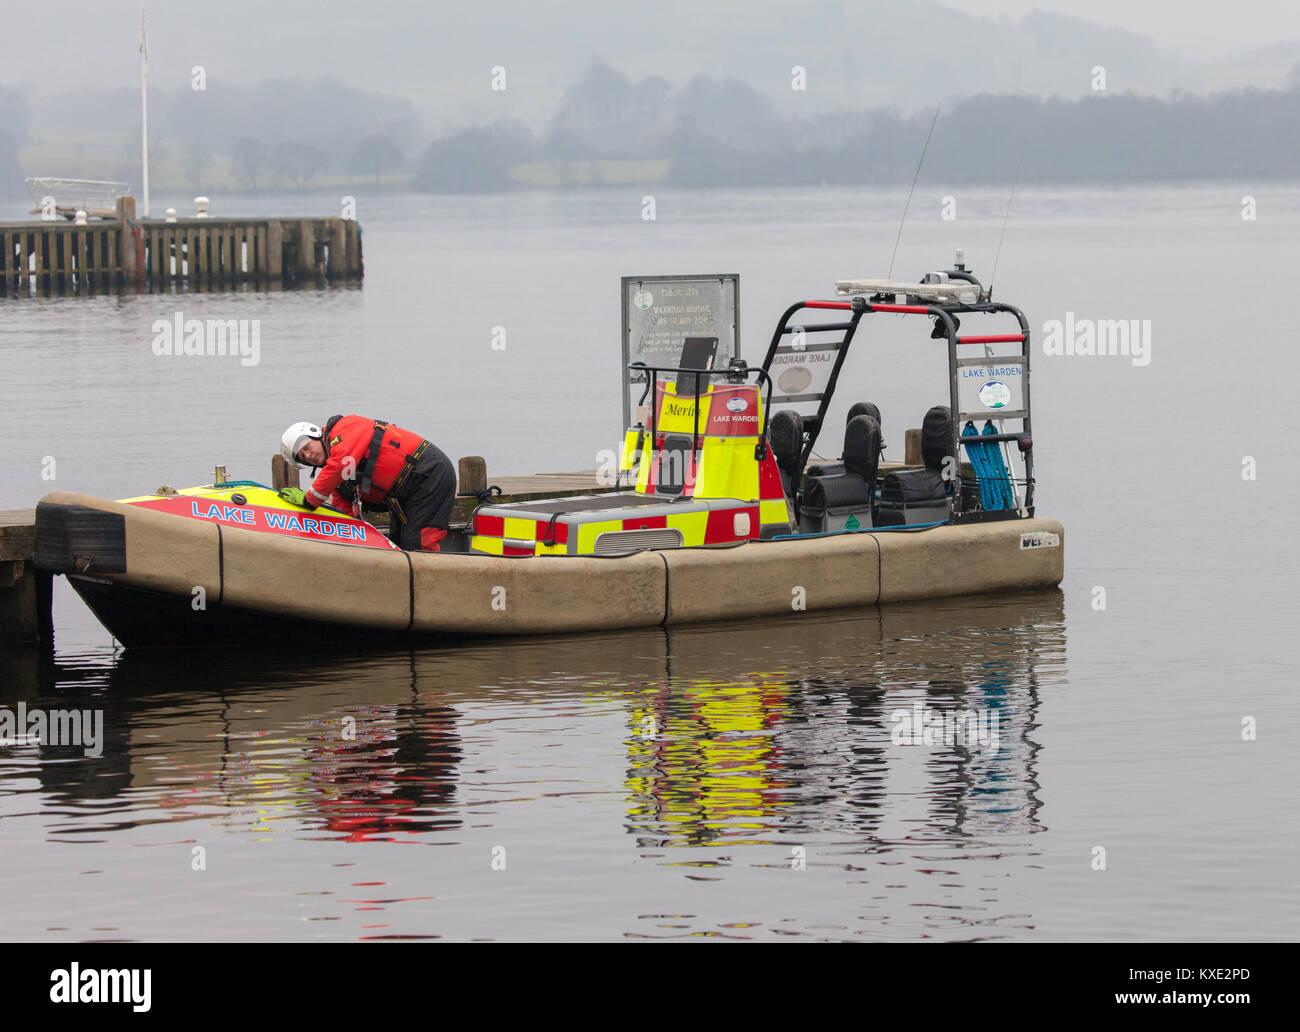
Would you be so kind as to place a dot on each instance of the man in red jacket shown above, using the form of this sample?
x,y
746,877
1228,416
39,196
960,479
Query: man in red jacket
x,y
369,462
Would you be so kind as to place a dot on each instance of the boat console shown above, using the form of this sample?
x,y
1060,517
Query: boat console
x,y
703,474
711,467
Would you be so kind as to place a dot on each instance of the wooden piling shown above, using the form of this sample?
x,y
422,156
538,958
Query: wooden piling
x,y
25,592
471,475
283,473
912,448
306,266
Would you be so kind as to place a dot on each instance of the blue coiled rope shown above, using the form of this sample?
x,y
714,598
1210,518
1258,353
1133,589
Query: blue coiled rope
x,y
995,482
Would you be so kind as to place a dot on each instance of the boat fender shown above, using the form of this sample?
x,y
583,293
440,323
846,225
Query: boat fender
x,y
78,539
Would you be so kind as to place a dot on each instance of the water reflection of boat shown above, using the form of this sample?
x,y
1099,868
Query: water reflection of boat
x,y
734,732
791,752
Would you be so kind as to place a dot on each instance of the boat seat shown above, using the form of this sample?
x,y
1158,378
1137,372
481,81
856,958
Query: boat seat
x,y
866,408
673,463
936,437
841,496
785,434
915,496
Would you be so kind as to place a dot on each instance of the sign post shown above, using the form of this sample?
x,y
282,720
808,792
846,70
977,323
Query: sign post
x,y
660,312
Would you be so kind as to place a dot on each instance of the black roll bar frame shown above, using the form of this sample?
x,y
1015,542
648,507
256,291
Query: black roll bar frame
x,y
947,317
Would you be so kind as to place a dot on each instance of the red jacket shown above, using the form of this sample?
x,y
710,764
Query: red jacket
x,y
347,443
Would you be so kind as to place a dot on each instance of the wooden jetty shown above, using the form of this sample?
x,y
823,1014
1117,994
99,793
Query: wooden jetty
x,y
24,590
53,257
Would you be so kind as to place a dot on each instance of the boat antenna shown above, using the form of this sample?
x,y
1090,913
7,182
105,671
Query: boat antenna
x,y
1007,214
915,176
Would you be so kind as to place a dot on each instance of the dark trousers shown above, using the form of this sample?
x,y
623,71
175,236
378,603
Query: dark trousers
x,y
424,501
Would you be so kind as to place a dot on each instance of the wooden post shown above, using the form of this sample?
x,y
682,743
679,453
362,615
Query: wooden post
x,y
22,262
912,448
206,257
274,250
217,249
43,260
356,263
283,474
471,475
235,252
153,249
25,591
338,263
306,251
81,261
61,262
257,254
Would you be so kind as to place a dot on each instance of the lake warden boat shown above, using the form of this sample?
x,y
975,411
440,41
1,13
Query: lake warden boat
x,y
722,516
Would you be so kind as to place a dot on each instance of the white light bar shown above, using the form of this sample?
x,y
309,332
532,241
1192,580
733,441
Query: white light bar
x,y
953,292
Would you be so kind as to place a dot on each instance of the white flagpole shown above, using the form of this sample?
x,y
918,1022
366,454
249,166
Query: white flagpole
x,y
144,112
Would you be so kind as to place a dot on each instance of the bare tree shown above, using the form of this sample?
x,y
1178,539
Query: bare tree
x,y
298,162
376,154
197,160
251,158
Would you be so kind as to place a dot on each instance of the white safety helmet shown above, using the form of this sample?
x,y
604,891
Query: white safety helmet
x,y
294,438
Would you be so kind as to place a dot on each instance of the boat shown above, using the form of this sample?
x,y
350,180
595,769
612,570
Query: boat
x,y
721,512
54,196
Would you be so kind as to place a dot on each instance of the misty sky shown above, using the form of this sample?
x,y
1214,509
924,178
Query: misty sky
x,y
438,55
1199,29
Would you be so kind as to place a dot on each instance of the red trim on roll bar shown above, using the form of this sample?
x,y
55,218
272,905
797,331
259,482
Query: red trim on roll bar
x,y
996,338
828,304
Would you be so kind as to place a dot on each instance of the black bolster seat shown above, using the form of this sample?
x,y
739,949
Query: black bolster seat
x,y
936,437
866,408
841,496
862,449
915,496
785,434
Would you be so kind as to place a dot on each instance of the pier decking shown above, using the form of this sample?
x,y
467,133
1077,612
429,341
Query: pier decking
x,y
24,590
54,257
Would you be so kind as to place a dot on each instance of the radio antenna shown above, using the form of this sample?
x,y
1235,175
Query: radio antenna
x,y
909,192
1007,214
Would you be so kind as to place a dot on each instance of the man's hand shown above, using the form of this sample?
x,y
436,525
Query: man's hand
x,y
294,496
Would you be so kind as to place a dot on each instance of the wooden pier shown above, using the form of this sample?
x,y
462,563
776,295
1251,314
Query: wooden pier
x,y
25,591
61,257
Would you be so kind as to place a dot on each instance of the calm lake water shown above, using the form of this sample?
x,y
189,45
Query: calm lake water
x,y
733,781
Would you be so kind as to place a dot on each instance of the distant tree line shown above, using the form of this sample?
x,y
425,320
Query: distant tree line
x,y
286,132
708,132
724,133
